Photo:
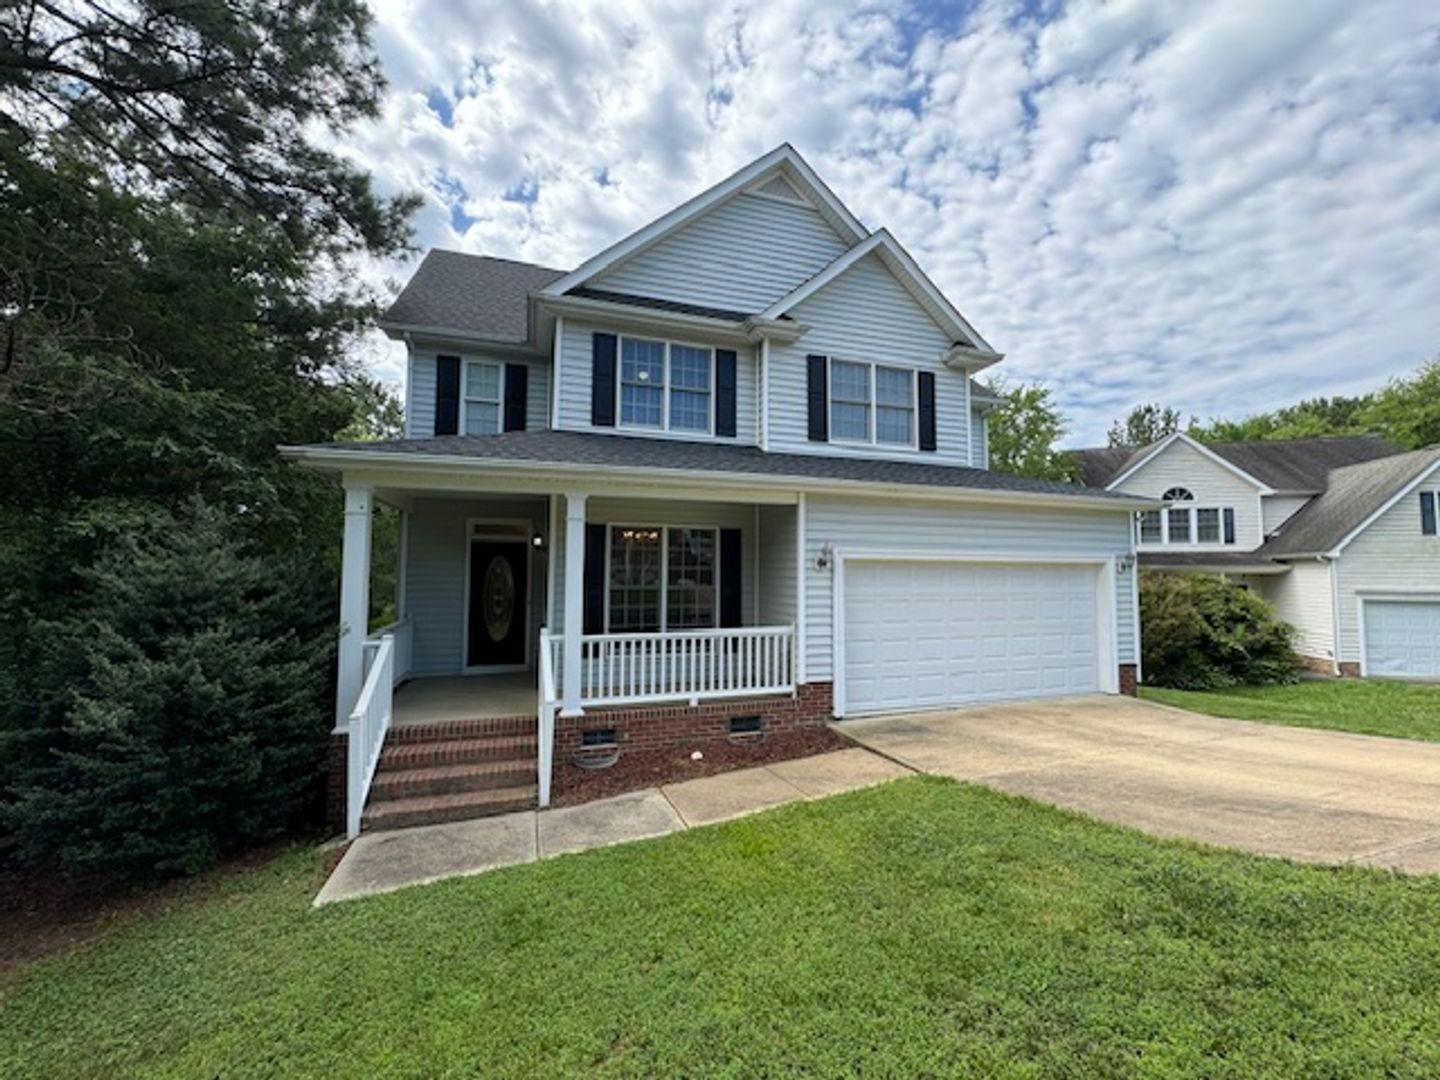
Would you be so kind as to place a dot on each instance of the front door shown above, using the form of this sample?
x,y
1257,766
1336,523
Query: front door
x,y
498,603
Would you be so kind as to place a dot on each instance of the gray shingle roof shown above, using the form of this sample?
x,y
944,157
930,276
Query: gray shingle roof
x,y
663,455
1233,561
1298,465
1354,493
470,294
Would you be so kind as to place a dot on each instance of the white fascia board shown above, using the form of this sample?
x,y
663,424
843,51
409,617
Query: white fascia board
x,y
1405,489
1179,436
479,472
747,331
977,354
663,226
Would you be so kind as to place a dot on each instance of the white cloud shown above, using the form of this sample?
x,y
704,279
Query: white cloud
x,y
1220,206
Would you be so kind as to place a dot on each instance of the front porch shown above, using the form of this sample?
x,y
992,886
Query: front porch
x,y
686,611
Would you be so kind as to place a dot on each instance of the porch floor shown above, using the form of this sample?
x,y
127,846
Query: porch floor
x,y
465,697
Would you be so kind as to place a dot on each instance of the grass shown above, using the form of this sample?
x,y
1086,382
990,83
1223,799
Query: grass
x,y
1366,706
919,928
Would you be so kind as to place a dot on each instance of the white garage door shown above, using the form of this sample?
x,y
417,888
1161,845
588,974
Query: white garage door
x,y
1402,637
923,634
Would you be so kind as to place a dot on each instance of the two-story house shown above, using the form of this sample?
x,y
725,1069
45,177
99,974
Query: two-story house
x,y
728,475
1338,533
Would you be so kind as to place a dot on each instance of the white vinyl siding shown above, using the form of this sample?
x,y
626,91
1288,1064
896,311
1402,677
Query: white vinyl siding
x,y
979,440
865,314
856,525
1211,484
1390,556
775,562
607,511
1302,598
435,574
1275,510
741,256
575,377
420,389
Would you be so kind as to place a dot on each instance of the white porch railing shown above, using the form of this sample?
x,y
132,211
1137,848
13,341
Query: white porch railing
x,y
694,665
403,631
548,703
368,723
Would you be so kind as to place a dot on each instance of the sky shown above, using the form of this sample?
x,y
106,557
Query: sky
x,y
1220,206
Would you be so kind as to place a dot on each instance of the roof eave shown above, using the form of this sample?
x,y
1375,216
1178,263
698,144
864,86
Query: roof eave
x,y
340,460
398,331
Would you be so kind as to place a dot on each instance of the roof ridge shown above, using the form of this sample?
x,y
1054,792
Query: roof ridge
x,y
494,258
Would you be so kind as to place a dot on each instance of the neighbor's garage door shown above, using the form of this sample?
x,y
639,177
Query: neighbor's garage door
x,y
1402,637
921,634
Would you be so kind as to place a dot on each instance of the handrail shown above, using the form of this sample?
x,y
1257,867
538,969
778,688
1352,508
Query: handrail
x,y
403,631
694,665
545,725
365,732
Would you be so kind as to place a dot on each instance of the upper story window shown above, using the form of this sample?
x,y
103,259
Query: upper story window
x,y
872,403
1429,510
1177,494
1187,524
665,385
484,387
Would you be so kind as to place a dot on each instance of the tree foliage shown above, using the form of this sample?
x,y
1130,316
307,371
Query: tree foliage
x,y
176,303
1024,430
1144,425
1201,632
1406,411
185,705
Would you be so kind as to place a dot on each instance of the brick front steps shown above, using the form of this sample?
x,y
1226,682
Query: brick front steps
x,y
453,770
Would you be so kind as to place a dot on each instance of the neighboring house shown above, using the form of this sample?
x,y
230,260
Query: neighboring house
x,y
727,475
1339,533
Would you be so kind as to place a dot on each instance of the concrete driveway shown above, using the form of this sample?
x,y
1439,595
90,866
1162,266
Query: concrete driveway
x,y
1315,795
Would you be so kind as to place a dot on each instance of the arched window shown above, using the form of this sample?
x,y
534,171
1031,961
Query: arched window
x,y
1177,494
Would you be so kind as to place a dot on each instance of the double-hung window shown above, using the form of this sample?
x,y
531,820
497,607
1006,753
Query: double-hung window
x,y
662,578
484,387
1181,522
665,385
872,403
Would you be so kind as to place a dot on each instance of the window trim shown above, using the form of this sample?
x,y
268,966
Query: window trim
x,y
466,399
666,386
664,531
872,417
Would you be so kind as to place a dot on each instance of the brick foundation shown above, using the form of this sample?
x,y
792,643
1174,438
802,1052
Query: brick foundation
x,y
653,727
1128,681
335,782
1349,669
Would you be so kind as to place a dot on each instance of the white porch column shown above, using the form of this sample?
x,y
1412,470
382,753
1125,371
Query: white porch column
x,y
354,599
574,602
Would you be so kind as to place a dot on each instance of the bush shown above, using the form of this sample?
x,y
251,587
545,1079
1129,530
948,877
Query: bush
x,y
194,716
1200,632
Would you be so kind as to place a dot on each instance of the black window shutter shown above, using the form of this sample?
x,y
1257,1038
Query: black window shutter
x,y
817,398
1427,512
517,386
1229,525
725,392
927,410
594,586
602,380
447,395
731,590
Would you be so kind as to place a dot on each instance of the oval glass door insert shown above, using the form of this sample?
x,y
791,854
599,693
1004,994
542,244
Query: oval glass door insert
x,y
498,598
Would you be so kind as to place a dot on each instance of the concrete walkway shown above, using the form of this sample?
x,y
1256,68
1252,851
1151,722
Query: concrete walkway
x,y
385,861
1318,796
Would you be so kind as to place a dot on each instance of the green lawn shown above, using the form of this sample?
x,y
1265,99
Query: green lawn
x,y
920,928
1366,706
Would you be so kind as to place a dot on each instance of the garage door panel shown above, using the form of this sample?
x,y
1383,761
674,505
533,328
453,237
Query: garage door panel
x,y
1402,638
932,634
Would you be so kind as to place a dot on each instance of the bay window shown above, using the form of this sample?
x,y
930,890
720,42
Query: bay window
x,y
662,578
